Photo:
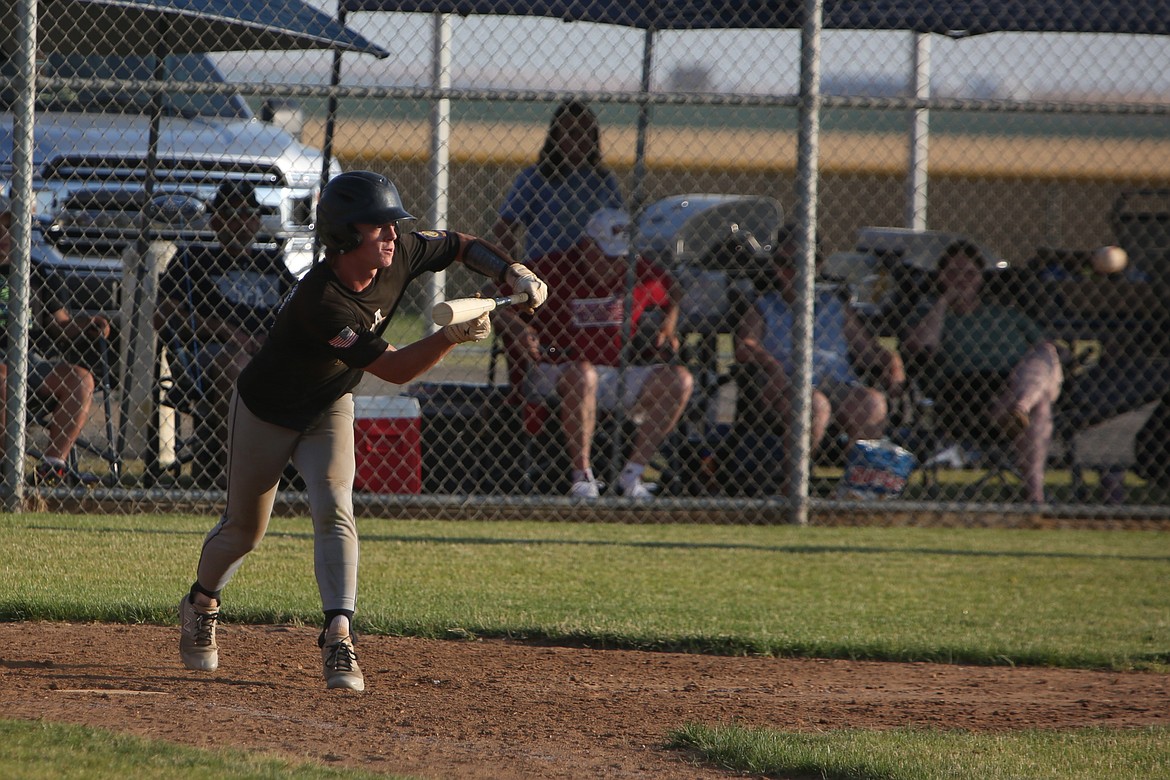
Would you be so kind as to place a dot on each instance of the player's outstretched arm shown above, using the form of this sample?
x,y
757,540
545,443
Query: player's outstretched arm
x,y
400,366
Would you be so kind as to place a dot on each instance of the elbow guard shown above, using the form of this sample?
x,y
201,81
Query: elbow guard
x,y
487,260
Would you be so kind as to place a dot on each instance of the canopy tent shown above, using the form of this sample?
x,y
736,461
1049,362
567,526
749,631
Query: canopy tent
x,y
952,18
141,26
944,17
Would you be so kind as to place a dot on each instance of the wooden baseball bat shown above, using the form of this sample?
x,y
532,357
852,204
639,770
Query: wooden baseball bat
x,y
464,309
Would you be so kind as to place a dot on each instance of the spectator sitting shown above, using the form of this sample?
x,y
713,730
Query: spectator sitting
x,y
550,202
842,344
215,301
67,388
573,345
987,360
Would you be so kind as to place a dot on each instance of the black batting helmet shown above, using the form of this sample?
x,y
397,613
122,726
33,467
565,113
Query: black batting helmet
x,y
352,197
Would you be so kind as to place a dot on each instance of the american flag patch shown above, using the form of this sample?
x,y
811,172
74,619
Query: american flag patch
x,y
344,339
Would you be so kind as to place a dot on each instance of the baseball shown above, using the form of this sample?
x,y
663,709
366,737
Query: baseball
x,y
1109,260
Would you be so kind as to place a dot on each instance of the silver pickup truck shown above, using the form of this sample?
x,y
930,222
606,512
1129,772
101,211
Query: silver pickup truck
x,y
91,142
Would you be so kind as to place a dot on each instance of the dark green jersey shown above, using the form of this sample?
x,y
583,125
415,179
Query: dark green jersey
x,y
325,333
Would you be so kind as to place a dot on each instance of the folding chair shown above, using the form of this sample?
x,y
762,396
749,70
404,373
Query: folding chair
x,y
951,434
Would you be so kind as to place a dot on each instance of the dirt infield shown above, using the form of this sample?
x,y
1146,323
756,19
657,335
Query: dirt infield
x,y
495,709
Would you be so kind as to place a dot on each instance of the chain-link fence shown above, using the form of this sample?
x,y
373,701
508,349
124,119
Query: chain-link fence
x,y
986,330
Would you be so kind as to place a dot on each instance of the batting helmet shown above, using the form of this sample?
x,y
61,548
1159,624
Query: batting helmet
x,y
356,197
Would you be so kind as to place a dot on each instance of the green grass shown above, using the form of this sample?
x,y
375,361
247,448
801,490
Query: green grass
x,y
948,595
911,754
49,751
1070,598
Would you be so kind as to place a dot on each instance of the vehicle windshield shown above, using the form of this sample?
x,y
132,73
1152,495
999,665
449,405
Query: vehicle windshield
x,y
129,100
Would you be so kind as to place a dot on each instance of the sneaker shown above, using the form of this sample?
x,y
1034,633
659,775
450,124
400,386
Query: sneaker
x,y
197,645
586,488
340,663
51,475
637,489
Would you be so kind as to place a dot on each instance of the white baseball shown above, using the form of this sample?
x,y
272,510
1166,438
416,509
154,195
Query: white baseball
x,y
1109,260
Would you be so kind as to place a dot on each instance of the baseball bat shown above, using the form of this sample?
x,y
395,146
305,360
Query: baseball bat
x,y
464,309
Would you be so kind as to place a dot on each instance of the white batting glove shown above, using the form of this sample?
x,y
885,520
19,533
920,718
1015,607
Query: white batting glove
x,y
524,281
477,329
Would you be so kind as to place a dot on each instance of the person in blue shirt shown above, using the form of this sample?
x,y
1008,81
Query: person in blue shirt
x,y
549,203
842,347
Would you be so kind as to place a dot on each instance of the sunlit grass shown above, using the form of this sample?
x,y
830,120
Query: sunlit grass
x,y
951,595
913,754
51,751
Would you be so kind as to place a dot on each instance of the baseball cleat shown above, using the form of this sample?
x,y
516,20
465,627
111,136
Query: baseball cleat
x,y
197,645
340,663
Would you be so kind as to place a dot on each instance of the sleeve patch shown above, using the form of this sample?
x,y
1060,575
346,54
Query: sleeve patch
x,y
345,338
430,235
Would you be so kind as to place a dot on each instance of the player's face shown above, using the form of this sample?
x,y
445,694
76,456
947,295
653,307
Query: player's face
x,y
377,247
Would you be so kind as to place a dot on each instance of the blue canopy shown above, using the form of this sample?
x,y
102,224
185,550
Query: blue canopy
x,y
945,17
145,27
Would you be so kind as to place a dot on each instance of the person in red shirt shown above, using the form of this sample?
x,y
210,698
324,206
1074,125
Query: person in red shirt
x,y
570,349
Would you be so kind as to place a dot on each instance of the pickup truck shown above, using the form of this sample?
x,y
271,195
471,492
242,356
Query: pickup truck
x,y
91,143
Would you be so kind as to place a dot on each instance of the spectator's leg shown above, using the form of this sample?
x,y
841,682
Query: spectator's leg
x,y
658,408
72,387
822,414
1034,387
863,413
577,388
774,388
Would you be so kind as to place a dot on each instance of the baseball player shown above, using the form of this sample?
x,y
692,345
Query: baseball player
x,y
294,399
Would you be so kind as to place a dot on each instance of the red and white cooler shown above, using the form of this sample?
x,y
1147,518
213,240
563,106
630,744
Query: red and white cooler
x,y
388,444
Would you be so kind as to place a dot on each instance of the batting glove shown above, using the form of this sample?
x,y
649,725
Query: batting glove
x,y
472,330
524,281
